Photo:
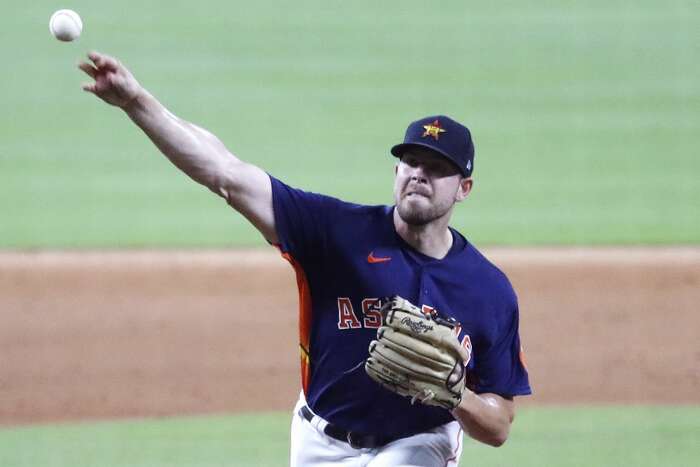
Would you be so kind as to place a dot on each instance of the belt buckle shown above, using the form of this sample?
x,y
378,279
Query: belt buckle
x,y
356,442
364,441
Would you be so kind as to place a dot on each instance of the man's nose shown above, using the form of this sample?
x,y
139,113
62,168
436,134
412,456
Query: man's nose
x,y
417,173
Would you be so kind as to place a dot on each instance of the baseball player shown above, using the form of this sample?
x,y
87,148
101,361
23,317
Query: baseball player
x,y
408,335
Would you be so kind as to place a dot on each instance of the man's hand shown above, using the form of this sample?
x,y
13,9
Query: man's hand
x,y
113,84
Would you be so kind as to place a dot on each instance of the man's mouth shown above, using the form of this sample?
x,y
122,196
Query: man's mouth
x,y
414,192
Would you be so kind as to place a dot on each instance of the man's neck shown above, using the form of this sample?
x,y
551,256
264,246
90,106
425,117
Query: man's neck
x,y
433,239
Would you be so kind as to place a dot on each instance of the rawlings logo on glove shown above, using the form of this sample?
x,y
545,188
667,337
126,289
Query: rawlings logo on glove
x,y
416,326
418,355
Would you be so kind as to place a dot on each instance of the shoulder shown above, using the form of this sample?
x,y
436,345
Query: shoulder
x,y
491,278
281,189
487,265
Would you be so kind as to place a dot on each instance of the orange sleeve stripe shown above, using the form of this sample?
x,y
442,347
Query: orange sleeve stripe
x,y
522,357
304,319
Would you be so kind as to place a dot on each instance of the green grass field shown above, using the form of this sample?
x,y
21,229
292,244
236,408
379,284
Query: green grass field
x,y
586,115
561,437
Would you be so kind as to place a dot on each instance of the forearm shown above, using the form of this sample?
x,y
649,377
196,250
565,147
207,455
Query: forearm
x,y
195,151
485,417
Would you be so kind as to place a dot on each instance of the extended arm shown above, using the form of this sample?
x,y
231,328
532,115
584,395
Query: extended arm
x,y
485,417
194,150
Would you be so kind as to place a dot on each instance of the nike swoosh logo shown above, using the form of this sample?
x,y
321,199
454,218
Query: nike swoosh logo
x,y
371,259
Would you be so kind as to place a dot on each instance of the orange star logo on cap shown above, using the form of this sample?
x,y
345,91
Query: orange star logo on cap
x,y
433,130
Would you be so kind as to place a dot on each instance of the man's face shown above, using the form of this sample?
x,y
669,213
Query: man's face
x,y
426,186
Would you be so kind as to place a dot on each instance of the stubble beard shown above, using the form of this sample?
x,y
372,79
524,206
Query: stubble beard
x,y
416,215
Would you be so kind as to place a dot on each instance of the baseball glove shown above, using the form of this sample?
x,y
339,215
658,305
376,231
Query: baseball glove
x,y
418,355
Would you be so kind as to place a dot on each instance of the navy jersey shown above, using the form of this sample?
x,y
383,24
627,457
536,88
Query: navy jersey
x,y
348,257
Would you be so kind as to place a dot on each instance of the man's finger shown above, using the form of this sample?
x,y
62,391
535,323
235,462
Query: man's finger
x,y
103,61
94,55
90,70
89,87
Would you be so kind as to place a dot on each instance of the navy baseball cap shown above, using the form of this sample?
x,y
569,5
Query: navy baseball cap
x,y
444,136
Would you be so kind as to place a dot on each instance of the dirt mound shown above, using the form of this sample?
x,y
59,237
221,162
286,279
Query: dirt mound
x,y
122,334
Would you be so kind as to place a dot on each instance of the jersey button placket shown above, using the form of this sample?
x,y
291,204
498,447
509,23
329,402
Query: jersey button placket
x,y
423,291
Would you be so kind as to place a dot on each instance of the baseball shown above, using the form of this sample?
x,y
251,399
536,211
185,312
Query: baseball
x,y
65,25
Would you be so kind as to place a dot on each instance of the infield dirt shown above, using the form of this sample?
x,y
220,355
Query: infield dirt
x,y
128,334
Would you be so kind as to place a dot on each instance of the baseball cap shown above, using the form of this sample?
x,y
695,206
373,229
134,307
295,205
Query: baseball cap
x,y
444,136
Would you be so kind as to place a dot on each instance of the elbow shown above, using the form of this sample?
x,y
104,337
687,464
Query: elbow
x,y
494,439
224,179
498,441
500,438
489,422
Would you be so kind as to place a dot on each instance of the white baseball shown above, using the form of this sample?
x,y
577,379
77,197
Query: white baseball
x,y
65,25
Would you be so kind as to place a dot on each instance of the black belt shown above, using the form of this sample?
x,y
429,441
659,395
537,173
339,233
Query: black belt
x,y
353,438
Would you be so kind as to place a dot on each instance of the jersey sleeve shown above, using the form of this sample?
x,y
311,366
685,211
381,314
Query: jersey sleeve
x,y
301,220
501,368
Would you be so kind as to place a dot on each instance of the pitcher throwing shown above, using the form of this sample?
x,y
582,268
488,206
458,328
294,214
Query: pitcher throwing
x,y
384,381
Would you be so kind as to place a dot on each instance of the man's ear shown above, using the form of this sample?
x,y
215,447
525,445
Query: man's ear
x,y
465,187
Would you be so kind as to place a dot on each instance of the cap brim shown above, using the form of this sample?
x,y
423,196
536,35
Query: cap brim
x,y
399,149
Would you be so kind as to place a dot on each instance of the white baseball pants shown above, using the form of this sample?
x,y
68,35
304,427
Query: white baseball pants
x,y
311,447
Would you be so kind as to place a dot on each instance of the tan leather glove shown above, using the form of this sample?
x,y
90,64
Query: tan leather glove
x,y
418,355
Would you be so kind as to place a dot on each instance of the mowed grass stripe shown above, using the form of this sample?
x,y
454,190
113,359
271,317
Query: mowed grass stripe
x,y
561,436
586,116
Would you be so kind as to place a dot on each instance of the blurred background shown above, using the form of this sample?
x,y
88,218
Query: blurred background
x,y
585,114
586,121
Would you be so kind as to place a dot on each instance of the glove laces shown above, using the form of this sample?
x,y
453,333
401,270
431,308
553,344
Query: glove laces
x,y
423,396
